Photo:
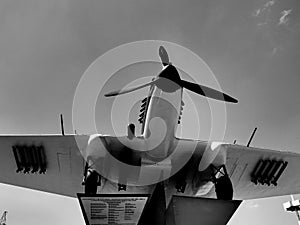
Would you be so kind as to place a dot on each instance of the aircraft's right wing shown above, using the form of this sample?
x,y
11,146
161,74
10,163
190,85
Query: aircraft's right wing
x,y
51,163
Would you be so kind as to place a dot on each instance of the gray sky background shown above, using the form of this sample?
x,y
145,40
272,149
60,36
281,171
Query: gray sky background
x,y
251,46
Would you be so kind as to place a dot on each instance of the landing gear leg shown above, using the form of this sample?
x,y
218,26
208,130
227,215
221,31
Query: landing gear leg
x,y
91,182
223,185
224,188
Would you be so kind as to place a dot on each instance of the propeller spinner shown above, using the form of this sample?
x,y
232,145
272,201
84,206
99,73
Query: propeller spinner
x,y
197,88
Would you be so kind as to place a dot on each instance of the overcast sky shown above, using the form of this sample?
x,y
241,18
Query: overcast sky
x,y
252,47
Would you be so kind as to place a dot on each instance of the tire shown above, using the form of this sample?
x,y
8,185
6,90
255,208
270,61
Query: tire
x,y
224,188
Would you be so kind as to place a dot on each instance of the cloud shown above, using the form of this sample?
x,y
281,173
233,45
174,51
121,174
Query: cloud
x,y
261,24
256,12
269,3
283,19
263,14
266,6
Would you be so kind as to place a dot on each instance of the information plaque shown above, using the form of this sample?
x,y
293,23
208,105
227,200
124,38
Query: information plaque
x,y
106,209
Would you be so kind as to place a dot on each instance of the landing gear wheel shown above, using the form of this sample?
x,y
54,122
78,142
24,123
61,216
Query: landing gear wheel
x,y
91,182
223,187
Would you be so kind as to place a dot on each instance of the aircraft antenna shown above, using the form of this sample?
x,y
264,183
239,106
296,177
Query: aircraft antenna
x,y
62,125
252,135
3,218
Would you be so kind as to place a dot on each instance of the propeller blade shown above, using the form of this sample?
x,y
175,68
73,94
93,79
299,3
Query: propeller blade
x,y
207,92
164,56
120,92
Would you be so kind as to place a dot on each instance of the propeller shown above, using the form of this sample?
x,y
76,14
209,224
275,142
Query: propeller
x,y
207,92
163,56
197,88
120,92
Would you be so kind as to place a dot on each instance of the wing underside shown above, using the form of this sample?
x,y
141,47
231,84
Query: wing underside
x,y
259,173
47,163
254,173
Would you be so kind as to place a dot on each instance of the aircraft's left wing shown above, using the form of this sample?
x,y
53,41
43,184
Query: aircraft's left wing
x,y
51,163
254,172
259,173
